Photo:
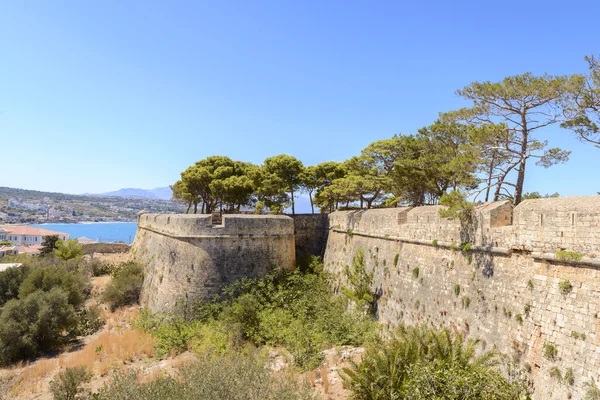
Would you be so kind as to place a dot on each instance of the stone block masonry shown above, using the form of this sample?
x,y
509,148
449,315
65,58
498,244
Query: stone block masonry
x,y
509,288
187,258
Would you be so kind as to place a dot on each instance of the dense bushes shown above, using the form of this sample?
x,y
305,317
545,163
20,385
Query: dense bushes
x,y
37,323
42,307
421,363
47,278
294,309
125,286
10,281
232,377
70,384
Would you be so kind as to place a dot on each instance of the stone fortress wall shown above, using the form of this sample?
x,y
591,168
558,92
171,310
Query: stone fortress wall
x,y
504,289
188,258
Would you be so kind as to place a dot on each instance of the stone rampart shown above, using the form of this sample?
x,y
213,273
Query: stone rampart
x,y
310,233
505,288
187,258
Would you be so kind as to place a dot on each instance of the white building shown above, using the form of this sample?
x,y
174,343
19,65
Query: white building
x,y
22,235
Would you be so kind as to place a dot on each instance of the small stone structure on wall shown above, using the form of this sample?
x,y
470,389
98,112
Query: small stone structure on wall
x,y
187,258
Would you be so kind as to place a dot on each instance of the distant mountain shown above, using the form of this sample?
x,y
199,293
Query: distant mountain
x,y
163,193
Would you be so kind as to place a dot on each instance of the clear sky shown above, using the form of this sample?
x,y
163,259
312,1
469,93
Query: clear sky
x,y
100,95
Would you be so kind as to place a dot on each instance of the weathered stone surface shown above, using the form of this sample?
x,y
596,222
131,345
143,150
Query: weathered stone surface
x,y
188,258
503,307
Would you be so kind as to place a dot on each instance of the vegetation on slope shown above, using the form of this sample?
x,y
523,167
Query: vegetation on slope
x,y
296,310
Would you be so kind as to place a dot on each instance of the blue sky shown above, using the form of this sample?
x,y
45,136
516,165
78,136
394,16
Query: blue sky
x,y
100,95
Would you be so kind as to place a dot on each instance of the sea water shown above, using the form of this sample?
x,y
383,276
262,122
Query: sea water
x,y
101,231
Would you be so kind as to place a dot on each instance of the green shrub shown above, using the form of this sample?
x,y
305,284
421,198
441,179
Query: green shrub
x,y
434,242
466,302
519,319
89,321
415,272
70,384
47,278
360,282
568,256
527,309
174,333
466,247
556,374
97,267
569,376
530,284
422,363
68,249
40,322
565,287
231,377
293,309
350,232
10,281
125,286
396,257
550,351
592,392
456,289
578,335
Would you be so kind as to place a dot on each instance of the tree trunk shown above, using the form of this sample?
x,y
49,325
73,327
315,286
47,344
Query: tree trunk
x,y
521,176
293,208
189,206
312,207
195,208
489,180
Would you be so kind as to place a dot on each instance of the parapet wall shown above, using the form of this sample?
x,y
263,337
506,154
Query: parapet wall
x,y
504,289
188,258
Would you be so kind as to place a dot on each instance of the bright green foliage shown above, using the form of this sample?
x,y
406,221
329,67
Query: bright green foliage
x,y
537,195
565,287
456,289
318,178
215,181
519,319
421,363
592,392
415,272
47,278
524,103
556,374
578,335
125,286
284,173
68,249
569,256
231,377
583,110
10,281
35,324
292,309
360,282
569,376
457,206
549,351
70,384
173,332
466,301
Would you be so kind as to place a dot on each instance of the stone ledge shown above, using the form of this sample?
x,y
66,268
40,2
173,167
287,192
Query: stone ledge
x,y
594,262
235,236
423,242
